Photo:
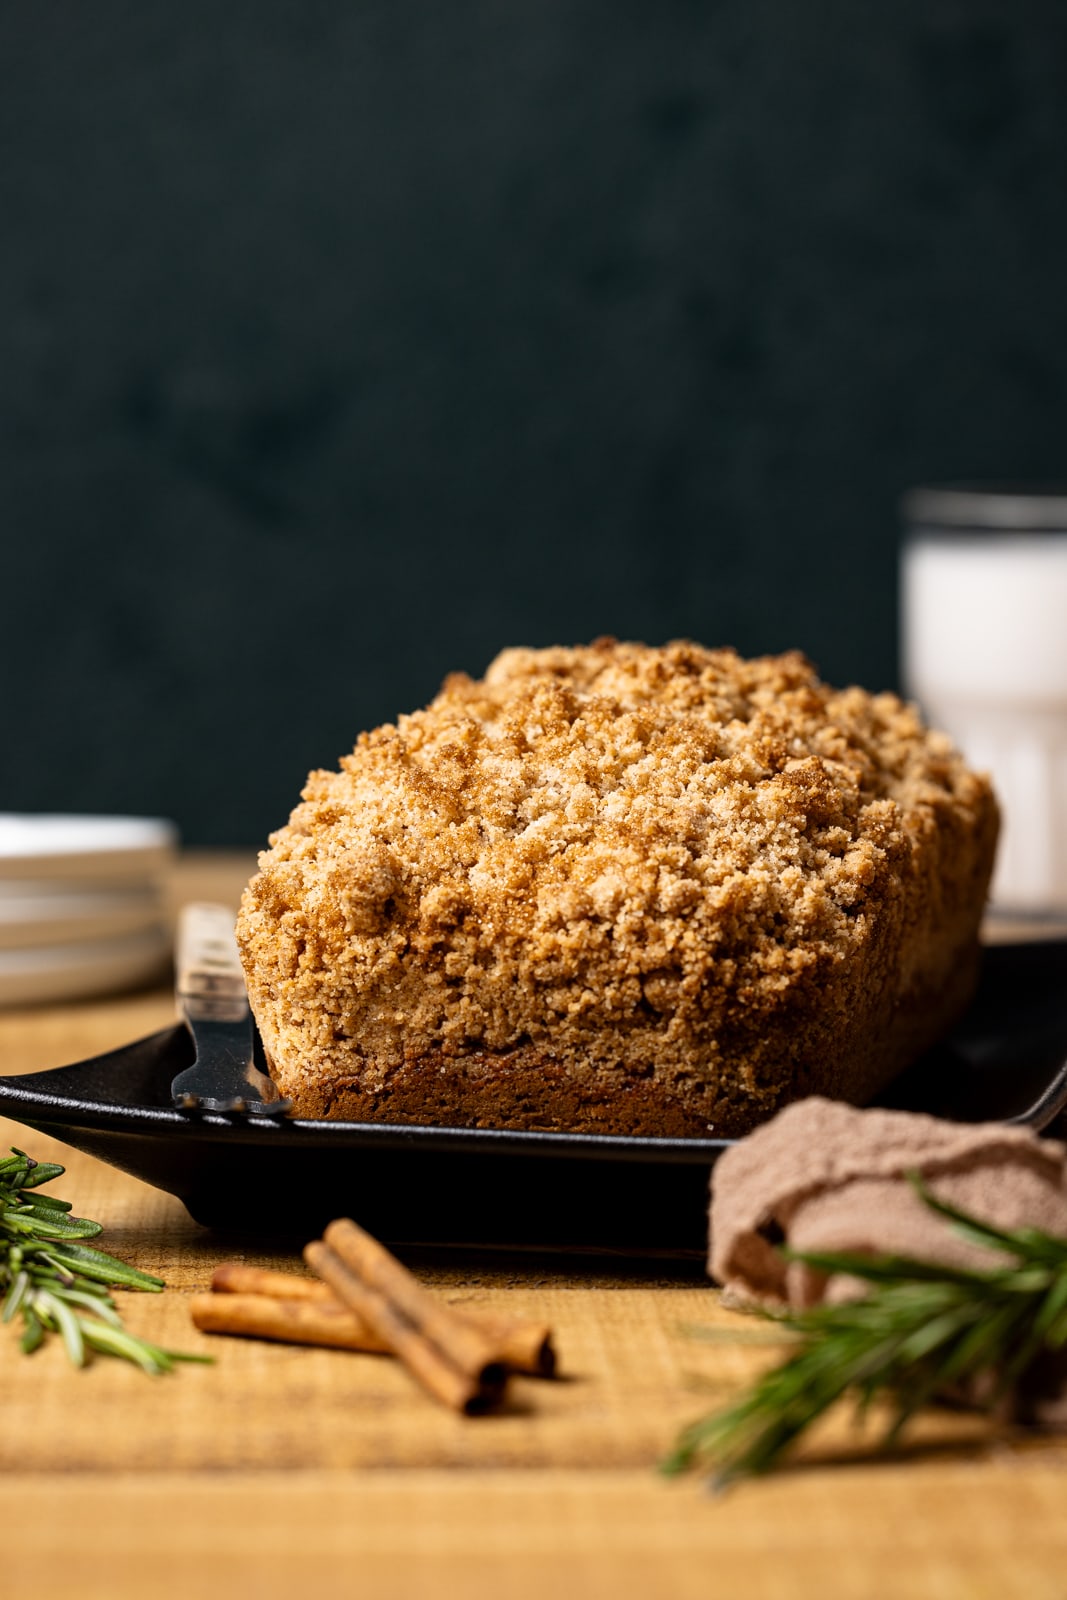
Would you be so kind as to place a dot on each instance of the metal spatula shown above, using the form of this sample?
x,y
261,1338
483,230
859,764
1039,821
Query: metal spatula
x,y
213,1003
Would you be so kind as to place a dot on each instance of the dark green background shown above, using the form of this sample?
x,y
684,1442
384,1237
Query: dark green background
x,y
343,344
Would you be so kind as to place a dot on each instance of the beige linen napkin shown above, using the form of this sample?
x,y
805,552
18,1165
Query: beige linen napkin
x,y
825,1176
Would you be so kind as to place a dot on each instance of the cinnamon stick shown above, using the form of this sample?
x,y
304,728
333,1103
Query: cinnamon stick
x,y
233,1277
303,1321
454,1361
524,1347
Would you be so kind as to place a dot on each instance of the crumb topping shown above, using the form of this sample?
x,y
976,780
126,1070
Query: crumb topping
x,y
618,854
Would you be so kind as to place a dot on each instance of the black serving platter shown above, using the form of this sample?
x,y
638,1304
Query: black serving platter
x,y
494,1187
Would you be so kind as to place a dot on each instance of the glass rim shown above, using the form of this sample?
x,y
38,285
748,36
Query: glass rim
x,y
993,508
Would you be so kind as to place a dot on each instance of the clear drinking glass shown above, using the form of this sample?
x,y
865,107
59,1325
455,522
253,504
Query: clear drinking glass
x,y
984,651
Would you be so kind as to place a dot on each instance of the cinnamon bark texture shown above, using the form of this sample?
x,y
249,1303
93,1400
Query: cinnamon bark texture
x,y
823,1176
233,1277
301,1321
453,1361
524,1347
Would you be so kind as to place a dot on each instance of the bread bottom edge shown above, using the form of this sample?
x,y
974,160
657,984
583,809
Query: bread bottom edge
x,y
528,1090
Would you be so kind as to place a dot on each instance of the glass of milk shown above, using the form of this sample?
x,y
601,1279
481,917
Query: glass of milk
x,y
984,651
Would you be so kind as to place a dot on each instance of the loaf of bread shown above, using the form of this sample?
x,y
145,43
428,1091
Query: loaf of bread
x,y
620,889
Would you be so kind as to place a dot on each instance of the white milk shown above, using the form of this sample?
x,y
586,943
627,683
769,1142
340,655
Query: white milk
x,y
985,654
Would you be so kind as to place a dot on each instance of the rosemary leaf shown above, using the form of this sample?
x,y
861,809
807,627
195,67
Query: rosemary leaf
x,y
32,1334
45,1202
16,1294
103,1268
52,1224
57,1314
37,1172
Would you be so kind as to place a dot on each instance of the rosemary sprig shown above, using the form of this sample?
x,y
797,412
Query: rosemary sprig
x,y
56,1284
921,1332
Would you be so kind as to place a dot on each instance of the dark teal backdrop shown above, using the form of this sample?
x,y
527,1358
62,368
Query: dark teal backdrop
x,y
342,344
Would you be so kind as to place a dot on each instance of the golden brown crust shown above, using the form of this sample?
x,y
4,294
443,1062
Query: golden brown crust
x,y
619,888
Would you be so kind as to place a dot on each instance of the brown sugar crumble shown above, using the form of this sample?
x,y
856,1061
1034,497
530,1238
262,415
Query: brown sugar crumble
x,y
622,889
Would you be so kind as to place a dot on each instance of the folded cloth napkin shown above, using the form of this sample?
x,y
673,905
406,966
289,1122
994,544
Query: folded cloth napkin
x,y
825,1176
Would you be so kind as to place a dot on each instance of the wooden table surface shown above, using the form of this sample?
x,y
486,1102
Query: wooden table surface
x,y
279,1469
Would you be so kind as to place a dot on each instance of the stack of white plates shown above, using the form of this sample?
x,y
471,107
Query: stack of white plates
x,y
82,908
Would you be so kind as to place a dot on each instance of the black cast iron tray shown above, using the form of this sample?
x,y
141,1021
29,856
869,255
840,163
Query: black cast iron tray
x,y
490,1187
